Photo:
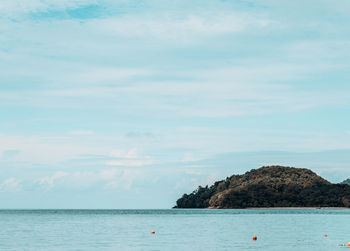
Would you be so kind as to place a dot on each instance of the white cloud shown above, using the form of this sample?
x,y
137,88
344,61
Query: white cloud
x,y
107,74
82,132
129,158
50,180
124,154
49,150
121,178
170,26
190,157
108,178
16,7
130,163
10,185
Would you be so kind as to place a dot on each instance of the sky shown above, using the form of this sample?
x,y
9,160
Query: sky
x,y
130,104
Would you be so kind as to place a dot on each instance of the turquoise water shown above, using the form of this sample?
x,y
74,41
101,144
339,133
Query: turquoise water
x,y
176,229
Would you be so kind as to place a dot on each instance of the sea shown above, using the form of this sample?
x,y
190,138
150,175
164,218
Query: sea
x,y
175,229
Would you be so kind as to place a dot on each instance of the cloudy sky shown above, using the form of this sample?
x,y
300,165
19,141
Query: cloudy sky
x,y
129,104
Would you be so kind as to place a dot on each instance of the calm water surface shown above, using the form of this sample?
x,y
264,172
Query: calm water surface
x,y
176,229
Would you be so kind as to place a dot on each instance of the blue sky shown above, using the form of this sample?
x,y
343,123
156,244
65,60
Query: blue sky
x,y
129,104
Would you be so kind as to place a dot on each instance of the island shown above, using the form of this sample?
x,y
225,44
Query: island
x,y
268,187
347,182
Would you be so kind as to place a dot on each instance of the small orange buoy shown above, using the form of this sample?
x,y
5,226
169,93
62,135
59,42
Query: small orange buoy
x,y
153,232
255,238
349,244
325,235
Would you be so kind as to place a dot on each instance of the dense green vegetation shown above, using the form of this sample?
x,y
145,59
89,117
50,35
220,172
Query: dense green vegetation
x,y
271,186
